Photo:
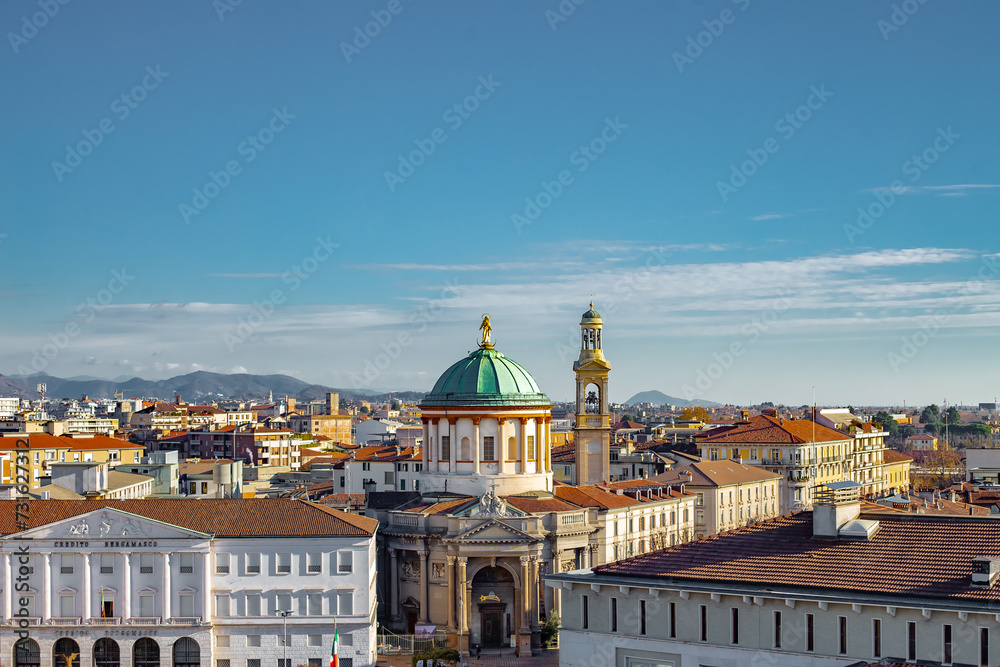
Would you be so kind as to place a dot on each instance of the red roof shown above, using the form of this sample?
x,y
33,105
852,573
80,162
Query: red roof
x,y
763,429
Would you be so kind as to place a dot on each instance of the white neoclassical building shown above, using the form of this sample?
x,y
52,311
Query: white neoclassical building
x,y
184,583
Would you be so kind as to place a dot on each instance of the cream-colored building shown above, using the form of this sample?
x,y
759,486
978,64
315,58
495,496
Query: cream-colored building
x,y
728,494
32,454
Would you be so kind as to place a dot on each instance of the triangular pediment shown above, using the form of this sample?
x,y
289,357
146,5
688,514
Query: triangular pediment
x,y
108,524
591,365
494,531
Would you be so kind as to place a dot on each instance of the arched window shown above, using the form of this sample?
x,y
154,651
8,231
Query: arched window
x,y
26,653
107,653
187,653
466,451
146,653
512,448
65,653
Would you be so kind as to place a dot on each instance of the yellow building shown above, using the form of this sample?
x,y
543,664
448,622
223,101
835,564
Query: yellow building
x,y
32,454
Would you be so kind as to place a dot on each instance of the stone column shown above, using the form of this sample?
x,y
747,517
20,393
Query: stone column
x,y
451,594
453,447
8,585
165,563
500,446
475,445
539,430
424,617
394,585
533,596
426,451
126,586
548,444
525,593
463,591
523,441
556,568
46,587
434,445
86,588
207,584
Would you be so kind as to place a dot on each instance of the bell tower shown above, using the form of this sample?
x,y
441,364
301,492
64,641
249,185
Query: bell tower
x,y
592,432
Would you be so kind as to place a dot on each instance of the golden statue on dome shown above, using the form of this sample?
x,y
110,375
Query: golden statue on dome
x,y
487,330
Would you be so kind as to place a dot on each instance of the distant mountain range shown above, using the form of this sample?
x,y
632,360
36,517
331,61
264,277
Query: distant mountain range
x,y
197,386
659,398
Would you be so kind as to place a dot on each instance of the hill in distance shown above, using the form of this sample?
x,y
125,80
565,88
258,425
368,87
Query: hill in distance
x,y
659,398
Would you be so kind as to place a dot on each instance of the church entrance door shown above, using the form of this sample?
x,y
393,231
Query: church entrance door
x,y
492,630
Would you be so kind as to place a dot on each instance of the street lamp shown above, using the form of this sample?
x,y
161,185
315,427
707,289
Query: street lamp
x,y
461,620
284,643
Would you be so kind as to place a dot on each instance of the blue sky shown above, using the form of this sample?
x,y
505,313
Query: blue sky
x,y
279,194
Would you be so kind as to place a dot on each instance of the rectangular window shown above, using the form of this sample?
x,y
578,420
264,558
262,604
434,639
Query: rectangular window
x,y
204,487
946,641
222,563
314,640
984,647
66,606
842,635
911,641
314,604
703,620
283,662
642,617
186,606
284,563
314,563
777,629
445,447
253,563
345,561
107,563
222,662
253,607
810,635
223,641
283,602
345,603
529,444
252,641
488,453
145,563
222,605
66,564
253,662
734,625
187,563
672,629
700,502
614,614
585,612
876,638
402,485
390,478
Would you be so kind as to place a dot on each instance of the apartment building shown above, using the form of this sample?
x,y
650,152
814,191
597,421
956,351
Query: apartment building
x,y
36,452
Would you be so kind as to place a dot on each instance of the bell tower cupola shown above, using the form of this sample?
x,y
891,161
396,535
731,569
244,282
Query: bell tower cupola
x,y
592,431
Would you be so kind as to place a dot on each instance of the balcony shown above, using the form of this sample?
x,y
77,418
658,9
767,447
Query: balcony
x,y
111,620
57,620
185,620
402,520
144,620
29,620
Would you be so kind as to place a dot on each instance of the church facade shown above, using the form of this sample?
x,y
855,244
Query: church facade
x,y
471,554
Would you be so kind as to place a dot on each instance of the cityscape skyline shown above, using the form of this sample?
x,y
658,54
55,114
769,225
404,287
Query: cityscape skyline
x,y
759,200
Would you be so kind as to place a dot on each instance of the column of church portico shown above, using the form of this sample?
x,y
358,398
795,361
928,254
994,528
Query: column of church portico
x,y
46,586
548,444
523,443
8,586
556,568
165,564
533,594
394,585
453,444
475,444
451,594
86,587
463,590
525,594
424,617
207,587
539,430
126,585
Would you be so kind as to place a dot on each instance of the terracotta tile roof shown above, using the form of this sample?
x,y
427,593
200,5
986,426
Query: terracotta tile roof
x,y
910,555
199,467
223,517
48,441
590,495
892,456
716,473
540,505
764,429
444,507
564,454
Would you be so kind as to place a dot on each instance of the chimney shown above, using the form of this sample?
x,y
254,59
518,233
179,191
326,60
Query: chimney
x,y
985,571
836,510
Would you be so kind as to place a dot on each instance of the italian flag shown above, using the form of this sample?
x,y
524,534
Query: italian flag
x,y
333,653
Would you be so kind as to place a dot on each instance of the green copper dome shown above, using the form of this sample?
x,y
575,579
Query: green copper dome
x,y
591,315
486,377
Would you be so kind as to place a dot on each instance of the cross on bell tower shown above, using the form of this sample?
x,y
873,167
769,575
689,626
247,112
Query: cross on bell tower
x,y
592,431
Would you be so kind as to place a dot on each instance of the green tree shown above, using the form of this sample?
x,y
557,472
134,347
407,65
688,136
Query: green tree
x,y
931,414
626,417
889,425
550,630
952,416
365,410
395,405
